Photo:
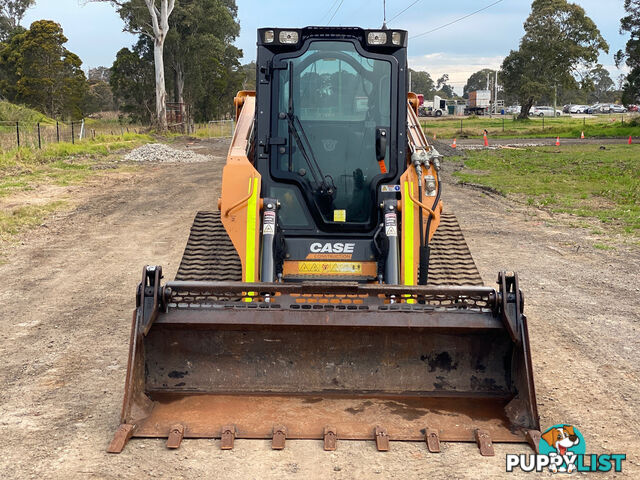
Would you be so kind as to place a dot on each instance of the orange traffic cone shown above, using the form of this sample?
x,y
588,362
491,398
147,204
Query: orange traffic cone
x,y
582,135
434,136
453,145
486,140
630,142
557,141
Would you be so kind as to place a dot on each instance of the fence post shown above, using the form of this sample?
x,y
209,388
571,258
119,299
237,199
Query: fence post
x,y
39,138
542,122
460,126
73,134
57,131
18,133
502,124
584,121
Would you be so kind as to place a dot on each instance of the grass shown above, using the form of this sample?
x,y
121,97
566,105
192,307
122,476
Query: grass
x,y
22,218
10,112
580,180
24,169
60,163
565,126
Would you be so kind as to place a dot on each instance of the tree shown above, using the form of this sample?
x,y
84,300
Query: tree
x,y
99,74
200,42
99,95
249,79
421,82
41,72
132,80
444,89
631,54
152,21
599,84
11,14
559,38
478,81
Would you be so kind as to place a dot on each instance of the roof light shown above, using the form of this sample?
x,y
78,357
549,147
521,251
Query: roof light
x,y
269,36
377,38
288,36
396,38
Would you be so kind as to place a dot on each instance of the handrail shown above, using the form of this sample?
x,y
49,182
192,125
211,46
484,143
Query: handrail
x,y
244,200
423,206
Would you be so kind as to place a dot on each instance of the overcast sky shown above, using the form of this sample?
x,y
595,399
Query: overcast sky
x,y
482,40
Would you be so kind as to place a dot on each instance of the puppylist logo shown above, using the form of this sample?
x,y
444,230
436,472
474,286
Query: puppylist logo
x,y
563,450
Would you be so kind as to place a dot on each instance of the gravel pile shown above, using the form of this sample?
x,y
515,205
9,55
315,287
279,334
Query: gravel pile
x,y
158,152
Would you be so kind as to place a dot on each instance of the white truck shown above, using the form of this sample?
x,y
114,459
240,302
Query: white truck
x,y
434,108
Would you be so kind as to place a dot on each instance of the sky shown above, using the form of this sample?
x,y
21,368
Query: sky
x,y
480,41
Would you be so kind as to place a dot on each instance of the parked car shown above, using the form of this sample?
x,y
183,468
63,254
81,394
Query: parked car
x,y
578,109
544,111
567,108
599,108
617,109
632,108
513,110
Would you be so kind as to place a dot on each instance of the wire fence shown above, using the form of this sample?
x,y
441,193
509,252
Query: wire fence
x,y
510,125
39,135
220,128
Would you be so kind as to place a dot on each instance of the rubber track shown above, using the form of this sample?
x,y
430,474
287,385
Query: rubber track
x,y
451,262
210,255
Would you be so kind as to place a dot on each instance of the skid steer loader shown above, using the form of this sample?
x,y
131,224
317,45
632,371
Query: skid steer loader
x,y
331,297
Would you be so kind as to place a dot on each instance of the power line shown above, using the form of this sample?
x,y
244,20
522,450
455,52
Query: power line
x,y
401,12
326,14
457,20
336,11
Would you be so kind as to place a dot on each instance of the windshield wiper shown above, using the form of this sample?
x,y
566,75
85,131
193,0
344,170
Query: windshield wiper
x,y
324,183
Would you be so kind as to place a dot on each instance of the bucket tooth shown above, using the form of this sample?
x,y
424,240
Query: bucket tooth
x,y
227,437
382,439
484,443
176,434
330,438
279,437
121,437
433,440
533,439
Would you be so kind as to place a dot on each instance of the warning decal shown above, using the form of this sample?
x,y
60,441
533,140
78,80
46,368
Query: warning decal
x,y
319,268
390,225
269,225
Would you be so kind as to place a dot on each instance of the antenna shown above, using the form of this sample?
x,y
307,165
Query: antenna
x,y
384,14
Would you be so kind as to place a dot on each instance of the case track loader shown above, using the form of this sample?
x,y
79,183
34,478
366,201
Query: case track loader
x,y
331,297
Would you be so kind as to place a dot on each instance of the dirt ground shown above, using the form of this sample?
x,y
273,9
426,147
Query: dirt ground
x,y
65,312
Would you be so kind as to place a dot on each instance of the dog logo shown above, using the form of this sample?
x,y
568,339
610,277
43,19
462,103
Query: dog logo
x,y
562,450
565,441
329,145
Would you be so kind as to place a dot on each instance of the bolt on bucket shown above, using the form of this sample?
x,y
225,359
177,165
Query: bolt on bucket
x,y
300,360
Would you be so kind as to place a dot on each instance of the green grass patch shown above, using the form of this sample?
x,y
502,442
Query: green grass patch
x,y
10,112
535,127
602,246
19,219
61,163
580,180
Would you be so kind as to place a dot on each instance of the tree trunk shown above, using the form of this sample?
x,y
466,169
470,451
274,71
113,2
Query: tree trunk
x,y
161,93
160,24
526,106
180,83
